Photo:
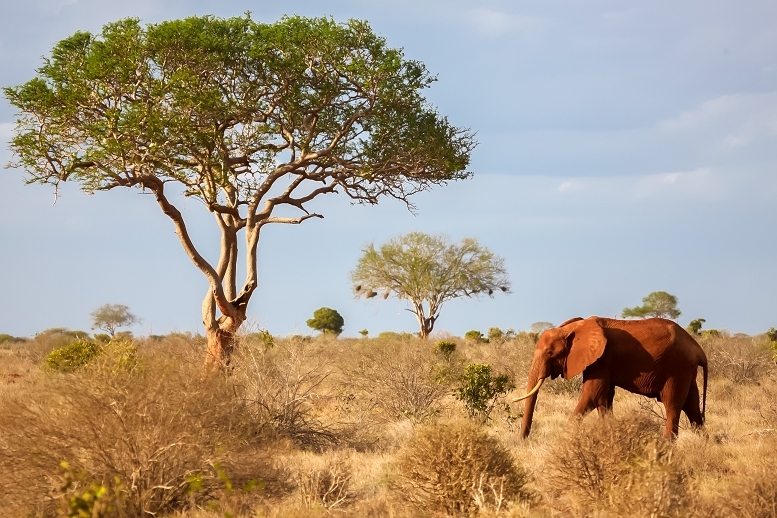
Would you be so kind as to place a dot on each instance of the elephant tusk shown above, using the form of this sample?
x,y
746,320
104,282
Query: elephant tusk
x,y
532,391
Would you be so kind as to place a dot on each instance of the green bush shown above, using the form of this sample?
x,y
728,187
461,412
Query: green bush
x,y
475,336
479,390
445,349
10,339
326,320
495,334
73,356
771,334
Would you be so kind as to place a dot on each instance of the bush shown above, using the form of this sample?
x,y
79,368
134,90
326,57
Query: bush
x,y
480,390
73,356
457,468
495,334
281,387
324,481
400,379
326,320
151,435
475,337
613,467
446,349
739,359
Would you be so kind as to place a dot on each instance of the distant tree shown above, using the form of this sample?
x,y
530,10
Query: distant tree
x,y
495,334
110,317
428,271
657,304
254,120
694,327
541,327
771,334
475,336
327,320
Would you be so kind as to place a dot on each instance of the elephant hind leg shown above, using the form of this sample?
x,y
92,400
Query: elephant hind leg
x,y
674,396
691,406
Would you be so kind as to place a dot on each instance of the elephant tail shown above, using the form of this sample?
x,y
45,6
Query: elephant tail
x,y
703,364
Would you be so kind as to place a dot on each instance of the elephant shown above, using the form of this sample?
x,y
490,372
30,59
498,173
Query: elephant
x,y
654,357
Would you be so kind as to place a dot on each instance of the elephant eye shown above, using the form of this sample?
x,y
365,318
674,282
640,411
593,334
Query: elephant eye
x,y
549,352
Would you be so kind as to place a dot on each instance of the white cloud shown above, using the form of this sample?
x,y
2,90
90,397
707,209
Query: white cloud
x,y
496,23
570,185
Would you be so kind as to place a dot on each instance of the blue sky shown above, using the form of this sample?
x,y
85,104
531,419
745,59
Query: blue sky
x,y
625,147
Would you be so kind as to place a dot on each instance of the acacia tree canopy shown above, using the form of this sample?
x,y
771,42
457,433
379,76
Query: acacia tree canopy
x,y
254,120
427,271
110,317
656,304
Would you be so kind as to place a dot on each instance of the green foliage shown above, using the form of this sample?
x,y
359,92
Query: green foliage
x,y
656,304
428,271
87,500
364,333
445,349
159,98
110,317
479,390
73,356
771,334
10,339
475,337
326,320
694,327
495,334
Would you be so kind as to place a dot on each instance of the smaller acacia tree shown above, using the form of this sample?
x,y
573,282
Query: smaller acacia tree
x,y
327,320
427,271
657,304
110,317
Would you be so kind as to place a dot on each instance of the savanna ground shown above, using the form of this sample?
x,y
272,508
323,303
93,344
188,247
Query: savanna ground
x,y
365,427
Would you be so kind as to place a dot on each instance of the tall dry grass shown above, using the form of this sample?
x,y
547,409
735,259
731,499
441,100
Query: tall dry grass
x,y
362,427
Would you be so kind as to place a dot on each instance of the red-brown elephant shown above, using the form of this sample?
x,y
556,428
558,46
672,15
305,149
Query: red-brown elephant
x,y
654,357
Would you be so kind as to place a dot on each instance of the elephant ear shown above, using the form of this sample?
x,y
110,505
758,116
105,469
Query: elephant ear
x,y
586,345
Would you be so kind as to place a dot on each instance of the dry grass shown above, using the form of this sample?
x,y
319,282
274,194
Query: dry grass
x,y
324,426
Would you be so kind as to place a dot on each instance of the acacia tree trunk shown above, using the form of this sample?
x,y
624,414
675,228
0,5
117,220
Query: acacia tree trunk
x,y
425,323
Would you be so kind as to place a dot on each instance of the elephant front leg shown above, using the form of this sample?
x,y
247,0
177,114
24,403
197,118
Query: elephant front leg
x,y
596,393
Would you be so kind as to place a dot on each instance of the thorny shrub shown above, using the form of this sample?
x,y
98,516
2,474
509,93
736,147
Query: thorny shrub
x,y
739,359
324,481
615,467
400,380
458,468
282,388
146,431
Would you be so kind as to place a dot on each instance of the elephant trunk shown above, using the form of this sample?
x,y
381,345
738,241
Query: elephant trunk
x,y
532,387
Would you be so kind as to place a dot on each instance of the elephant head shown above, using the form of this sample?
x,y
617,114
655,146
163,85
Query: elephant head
x,y
566,351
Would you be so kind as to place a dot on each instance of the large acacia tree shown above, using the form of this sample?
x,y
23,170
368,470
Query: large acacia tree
x,y
428,271
254,120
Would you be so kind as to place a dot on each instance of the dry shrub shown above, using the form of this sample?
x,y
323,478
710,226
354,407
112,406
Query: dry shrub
x,y
283,389
754,493
459,469
324,481
615,467
400,379
739,359
152,434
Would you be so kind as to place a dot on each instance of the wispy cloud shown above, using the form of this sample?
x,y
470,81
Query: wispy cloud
x,y
496,23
